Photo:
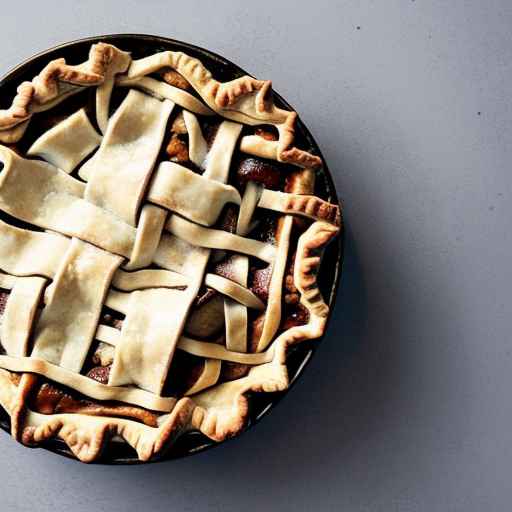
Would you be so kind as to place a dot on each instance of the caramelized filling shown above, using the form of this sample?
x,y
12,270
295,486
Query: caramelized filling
x,y
264,172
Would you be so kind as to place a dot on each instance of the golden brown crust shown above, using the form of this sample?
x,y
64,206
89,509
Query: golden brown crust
x,y
18,112
27,383
307,265
219,412
313,206
14,134
87,435
222,410
45,87
244,99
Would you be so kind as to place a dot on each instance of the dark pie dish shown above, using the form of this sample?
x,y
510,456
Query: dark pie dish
x,y
244,168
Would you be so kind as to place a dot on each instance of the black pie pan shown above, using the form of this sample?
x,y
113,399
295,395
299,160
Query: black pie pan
x,y
222,69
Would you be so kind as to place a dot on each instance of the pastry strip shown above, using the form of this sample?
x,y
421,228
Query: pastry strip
x,y
198,348
180,256
20,313
56,203
218,160
86,385
273,313
15,134
118,301
119,64
209,376
147,238
242,100
249,201
197,147
107,334
7,282
218,239
194,196
27,253
234,312
238,293
66,328
67,143
162,91
150,331
120,170
306,205
148,278
216,351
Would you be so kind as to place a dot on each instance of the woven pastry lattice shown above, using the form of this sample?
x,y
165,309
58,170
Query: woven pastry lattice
x,y
110,225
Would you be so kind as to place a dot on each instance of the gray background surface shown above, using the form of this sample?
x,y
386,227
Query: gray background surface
x,y
407,405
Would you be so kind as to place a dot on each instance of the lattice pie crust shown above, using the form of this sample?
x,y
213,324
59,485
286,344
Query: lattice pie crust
x,y
108,224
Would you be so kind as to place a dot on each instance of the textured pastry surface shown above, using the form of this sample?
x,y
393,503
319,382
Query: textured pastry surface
x,y
160,240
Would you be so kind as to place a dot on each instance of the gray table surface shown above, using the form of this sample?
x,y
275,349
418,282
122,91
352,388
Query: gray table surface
x,y
407,405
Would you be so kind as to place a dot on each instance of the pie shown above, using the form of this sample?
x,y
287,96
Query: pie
x,y
160,240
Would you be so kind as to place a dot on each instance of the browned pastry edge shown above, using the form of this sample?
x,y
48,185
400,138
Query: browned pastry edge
x,y
219,412
300,181
226,99
213,414
87,436
45,86
315,207
221,97
27,383
18,111
222,411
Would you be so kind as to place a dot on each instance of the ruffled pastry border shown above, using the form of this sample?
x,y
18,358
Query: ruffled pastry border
x,y
220,412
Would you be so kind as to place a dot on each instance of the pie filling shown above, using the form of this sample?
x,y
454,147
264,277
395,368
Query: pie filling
x,y
160,242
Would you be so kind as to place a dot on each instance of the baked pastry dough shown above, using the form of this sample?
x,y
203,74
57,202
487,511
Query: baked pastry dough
x,y
145,282
67,143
